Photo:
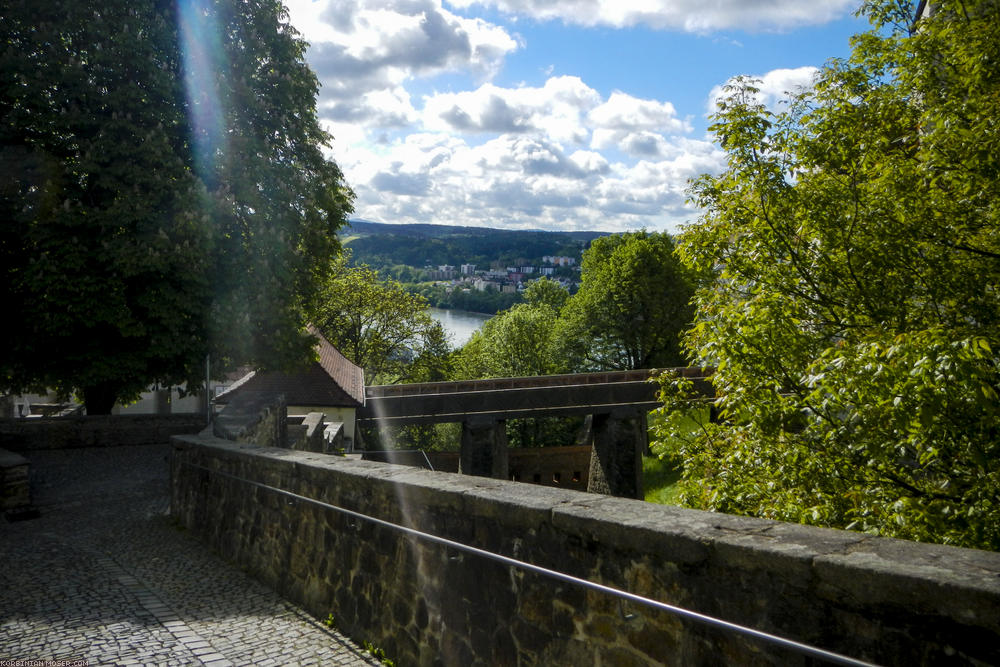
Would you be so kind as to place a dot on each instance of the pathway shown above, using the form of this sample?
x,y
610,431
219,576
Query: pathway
x,y
104,578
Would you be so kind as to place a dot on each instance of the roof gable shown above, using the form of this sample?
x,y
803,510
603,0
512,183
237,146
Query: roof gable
x,y
333,380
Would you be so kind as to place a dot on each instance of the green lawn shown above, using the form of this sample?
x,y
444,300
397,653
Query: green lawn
x,y
660,478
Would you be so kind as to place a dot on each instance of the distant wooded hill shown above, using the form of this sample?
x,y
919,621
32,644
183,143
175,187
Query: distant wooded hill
x,y
383,245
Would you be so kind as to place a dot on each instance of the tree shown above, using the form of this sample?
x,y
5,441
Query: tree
x,y
853,317
135,240
520,342
547,293
379,325
632,305
514,343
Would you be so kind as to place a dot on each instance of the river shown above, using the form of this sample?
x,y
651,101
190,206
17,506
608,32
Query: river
x,y
459,324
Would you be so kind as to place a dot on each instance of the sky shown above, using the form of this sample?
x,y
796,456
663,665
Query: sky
x,y
547,114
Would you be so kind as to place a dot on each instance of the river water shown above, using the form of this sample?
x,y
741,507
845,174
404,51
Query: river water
x,y
459,324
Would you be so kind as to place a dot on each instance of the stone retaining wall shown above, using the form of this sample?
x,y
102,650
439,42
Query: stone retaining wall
x,y
27,434
887,601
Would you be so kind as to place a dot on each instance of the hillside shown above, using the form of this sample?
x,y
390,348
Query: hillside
x,y
382,245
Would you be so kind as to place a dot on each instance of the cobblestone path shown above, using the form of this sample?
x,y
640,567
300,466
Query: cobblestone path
x,y
104,576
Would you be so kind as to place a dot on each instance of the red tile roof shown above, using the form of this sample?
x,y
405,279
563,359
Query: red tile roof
x,y
332,381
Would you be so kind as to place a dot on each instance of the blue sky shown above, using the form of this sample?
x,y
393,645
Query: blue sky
x,y
546,114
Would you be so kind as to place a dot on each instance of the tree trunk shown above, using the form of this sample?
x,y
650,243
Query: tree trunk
x,y
100,398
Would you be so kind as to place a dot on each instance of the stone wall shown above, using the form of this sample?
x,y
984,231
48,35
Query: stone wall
x,y
883,600
561,467
28,434
312,440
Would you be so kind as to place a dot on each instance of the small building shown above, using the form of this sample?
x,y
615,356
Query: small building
x,y
483,285
332,385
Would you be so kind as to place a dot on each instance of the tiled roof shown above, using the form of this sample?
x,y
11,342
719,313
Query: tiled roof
x,y
345,373
332,381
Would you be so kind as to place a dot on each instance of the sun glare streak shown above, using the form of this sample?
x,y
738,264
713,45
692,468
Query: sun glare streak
x,y
204,62
407,507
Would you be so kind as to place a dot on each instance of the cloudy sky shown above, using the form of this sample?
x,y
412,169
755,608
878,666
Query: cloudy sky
x,y
546,114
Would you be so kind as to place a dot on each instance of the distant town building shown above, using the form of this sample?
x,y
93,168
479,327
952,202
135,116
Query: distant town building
x,y
442,273
483,285
559,260
468,269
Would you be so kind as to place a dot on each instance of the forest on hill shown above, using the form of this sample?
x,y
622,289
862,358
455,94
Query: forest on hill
x,y
382,245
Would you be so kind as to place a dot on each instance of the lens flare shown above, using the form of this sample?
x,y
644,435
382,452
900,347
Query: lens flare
x,y
204,64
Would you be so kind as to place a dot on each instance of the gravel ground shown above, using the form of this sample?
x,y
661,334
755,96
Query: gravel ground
x,y
103,577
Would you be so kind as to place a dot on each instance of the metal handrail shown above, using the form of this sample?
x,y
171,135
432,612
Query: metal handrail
x,y
766,637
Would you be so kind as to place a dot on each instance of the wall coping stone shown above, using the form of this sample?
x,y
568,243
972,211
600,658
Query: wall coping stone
x,y
75,431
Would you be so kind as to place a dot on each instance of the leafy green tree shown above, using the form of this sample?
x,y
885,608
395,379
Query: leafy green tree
x,y
853,321
632,305
514,343
520,342
126,259
380,326
433,361
546,293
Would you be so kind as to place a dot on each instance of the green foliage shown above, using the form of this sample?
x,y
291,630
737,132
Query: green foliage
x,y
514,343
123,263
520,342
627,314
380,326
632,305
853,317
660,479
546,293
378,653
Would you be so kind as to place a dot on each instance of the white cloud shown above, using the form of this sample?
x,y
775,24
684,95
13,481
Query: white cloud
x,y
625,112
696,16
556,155
635,126
386,107
558,109
363,51
774,87
526,181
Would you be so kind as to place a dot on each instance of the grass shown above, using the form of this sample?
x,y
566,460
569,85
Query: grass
x,y
660,477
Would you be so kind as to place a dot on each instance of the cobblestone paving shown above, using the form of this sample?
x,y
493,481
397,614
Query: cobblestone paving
x,y
104,576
